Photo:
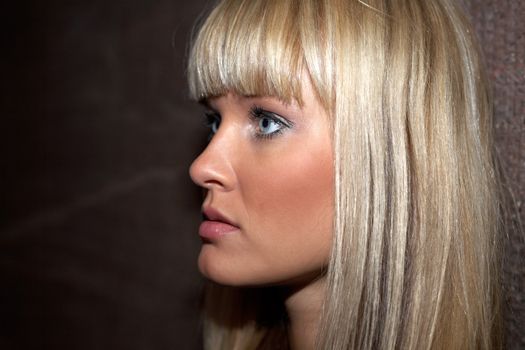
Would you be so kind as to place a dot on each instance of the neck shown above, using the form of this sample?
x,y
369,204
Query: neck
x,y
303,305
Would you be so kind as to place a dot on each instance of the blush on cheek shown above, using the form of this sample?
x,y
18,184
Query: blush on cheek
x,y
294,188
292,206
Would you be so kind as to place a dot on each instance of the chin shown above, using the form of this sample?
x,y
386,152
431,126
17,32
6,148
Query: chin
x,y
226,270
216,268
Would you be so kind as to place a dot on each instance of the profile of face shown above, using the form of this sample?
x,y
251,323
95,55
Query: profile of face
x,y
268,176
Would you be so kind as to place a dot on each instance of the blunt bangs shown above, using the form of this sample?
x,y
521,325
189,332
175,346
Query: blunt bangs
x,y
252,48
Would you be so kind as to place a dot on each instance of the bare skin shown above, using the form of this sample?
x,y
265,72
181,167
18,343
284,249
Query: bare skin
x,y
304,309
268,172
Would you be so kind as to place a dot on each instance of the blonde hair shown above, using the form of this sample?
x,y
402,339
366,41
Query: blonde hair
x,y
414,261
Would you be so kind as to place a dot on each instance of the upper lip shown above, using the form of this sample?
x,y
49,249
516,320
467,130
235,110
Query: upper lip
x,y
213,214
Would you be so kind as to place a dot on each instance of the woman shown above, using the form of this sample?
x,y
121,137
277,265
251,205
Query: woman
x,y
352,196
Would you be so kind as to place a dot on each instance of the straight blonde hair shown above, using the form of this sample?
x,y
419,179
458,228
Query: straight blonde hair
x,y
414,261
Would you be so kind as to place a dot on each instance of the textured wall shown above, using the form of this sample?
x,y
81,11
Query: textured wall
x,y
501,29
98,217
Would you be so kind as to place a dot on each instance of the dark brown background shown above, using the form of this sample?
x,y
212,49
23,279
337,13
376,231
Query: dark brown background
x,y
98,217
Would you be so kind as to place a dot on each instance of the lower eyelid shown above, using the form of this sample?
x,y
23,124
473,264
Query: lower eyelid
x,y
261,135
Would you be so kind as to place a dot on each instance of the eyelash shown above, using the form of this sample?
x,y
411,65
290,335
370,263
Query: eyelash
x,y
256,115
210,118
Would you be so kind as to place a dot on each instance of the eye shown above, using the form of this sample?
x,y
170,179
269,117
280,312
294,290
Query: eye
x,y
213,121
269,124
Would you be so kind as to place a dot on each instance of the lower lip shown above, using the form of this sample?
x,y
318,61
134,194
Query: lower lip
x,y
215,229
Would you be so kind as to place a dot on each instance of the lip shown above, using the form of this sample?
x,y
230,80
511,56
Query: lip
x,y
215,225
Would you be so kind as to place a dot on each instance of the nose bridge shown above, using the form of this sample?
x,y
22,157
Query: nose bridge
x,y
214,166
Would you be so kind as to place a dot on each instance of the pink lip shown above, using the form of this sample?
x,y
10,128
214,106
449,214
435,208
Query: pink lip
x,y
215,225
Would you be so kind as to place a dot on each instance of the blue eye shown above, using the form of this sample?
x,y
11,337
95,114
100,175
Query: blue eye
x,y
213,121
269,124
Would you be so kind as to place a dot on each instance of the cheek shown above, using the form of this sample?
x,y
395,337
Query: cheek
x,y
289,200
290,187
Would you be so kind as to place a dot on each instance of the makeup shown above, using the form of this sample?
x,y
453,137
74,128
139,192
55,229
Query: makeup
x,y
268,177
212,230
215,225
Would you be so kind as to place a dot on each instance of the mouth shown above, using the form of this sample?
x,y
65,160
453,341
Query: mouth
x,y
215,225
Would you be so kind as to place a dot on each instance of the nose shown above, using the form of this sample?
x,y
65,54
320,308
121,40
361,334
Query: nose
x,y
213,169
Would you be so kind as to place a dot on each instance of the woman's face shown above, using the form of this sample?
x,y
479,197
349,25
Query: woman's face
x,y
268,173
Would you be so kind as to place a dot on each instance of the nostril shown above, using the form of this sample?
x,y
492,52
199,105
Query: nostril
x,y
212,182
